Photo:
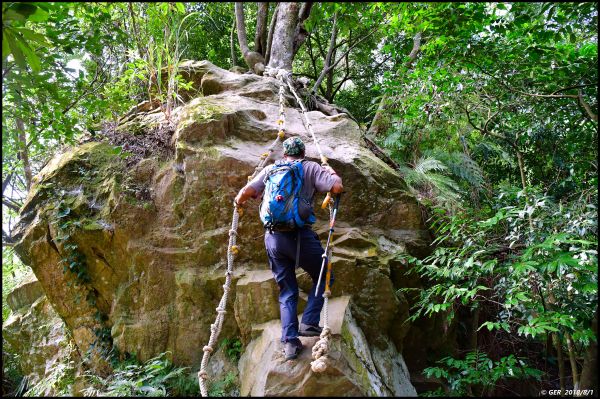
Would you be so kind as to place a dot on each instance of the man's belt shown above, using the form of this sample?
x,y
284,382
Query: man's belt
x,y
280,228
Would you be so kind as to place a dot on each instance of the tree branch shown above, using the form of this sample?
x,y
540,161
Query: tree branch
x,y
574,87
343,80
328,56
312,58
241,29
270,36
6,181
319,46
376,123
9,203
141,49
300,33
586,106
232,44
330,67
260,35
7,240
578,96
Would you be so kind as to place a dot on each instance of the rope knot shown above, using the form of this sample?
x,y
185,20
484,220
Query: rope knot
x,y
319,365
208,349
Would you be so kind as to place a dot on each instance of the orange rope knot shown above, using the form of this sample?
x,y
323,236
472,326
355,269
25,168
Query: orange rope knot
x,y
234,249
279,121
281,134
239,209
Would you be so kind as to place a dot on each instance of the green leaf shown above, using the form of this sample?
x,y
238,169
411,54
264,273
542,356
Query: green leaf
x,y
32,58
5,48
521,296
40,15
15,50
25,9
12,15
33,36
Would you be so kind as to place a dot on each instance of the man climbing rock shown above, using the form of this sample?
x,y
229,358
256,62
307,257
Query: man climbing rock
x,y
289,187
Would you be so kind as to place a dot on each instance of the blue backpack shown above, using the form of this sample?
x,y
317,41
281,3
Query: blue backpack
x,y
279,207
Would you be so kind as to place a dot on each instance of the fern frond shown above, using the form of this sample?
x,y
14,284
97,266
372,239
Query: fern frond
x,y
425,165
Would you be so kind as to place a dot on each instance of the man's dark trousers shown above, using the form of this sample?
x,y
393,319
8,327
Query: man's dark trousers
x,y
281,249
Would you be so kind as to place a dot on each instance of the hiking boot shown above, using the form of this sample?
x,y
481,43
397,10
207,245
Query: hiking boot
x,y
291,349
307,330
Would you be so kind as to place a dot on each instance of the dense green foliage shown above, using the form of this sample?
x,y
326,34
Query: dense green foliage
x,y
488,109
155,377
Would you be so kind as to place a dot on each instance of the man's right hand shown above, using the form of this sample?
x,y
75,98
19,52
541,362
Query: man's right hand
x,y
337,187
245,194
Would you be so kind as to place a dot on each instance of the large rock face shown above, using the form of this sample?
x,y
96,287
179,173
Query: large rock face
x,y
152,238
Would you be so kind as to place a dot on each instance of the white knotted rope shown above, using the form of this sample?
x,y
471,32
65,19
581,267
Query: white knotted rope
x,y
321,348
232,250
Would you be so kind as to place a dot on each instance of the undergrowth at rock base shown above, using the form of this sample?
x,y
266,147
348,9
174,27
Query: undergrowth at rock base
x,y
477,374
156,377
233,348
225,387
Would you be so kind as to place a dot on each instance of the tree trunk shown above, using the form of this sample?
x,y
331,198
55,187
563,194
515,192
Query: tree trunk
x,y
232,45
301,34
589,372
282,47
329,84
270,36
572,360
241,28
254,60
561,363
260,37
